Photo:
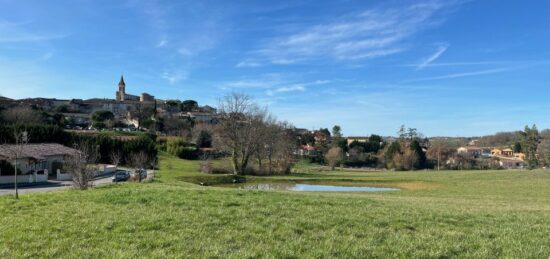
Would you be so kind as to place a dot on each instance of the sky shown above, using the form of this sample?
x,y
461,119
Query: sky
x,y
447,68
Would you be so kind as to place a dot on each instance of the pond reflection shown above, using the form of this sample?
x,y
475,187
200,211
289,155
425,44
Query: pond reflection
x,y
310,187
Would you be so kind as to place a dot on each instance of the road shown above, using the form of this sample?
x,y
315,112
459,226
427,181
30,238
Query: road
x,y
58,185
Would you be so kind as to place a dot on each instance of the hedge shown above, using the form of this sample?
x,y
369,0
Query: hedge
x,y
107,145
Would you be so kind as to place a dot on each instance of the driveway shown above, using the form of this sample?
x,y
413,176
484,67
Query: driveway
x,y
53,185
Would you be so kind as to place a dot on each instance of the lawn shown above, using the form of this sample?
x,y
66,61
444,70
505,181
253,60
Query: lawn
x,y
436,214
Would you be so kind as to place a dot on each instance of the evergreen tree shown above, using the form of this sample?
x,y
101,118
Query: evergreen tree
x,y
419,155
530,140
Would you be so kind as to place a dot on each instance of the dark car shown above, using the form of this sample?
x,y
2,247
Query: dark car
x,y
142,173
121,176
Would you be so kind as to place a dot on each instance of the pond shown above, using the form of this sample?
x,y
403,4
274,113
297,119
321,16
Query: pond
x,y
301,187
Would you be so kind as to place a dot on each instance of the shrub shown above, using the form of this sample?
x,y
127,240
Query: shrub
x,y
182,149
7,169
206,167
222,170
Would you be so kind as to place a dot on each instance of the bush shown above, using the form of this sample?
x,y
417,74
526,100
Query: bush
x,y
222,170
206,167
7,169
107,144
182,149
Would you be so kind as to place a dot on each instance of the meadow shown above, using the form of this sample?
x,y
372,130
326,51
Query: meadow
x,y
446,214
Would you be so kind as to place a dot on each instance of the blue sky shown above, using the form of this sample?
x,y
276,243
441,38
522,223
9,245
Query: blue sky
x,y
446,67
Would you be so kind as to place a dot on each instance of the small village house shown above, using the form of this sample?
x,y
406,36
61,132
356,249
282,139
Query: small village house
x,y
305,150
35,161
358,139
508,152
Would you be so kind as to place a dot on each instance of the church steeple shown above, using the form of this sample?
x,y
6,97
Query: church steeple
x,y
121,81
121,93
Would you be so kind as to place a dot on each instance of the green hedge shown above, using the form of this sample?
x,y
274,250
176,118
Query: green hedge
x,y
7,169
107,144
182,149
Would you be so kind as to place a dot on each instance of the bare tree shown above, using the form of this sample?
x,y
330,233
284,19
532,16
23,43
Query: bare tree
x,y
141,160
22,115
81,166
440,150
241,121
21,139
333,157
116,156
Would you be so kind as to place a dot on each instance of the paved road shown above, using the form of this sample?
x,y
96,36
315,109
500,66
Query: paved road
x,y
58,185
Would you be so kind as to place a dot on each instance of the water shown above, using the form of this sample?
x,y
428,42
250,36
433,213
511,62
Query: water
x,y
300,187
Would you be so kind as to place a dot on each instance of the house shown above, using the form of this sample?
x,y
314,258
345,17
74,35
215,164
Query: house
x,y
200,117
508,152
35,161
305,150
496,152
472,151
510,162
358,139
300,131
520,156
320,136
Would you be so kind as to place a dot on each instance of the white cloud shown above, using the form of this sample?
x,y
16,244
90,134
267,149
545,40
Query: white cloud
x,y
13,32
175,77
30,38
440,50
272,84
285,89
185,52
47,56
248,63
370,34
161,43
464,74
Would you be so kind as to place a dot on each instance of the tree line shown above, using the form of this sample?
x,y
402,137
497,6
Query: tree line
x,y
124,149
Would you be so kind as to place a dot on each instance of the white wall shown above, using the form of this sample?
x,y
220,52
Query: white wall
x,y
27,178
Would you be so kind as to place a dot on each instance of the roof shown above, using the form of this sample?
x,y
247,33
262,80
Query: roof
x,y
121,80
38,151
307,147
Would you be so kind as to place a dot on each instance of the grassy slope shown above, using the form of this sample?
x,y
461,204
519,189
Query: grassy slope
x,y
445,214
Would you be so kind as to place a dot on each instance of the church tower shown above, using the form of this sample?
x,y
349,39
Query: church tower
x,y
121,90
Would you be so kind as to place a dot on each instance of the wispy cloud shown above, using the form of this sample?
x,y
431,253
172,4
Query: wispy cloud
x,y
161,43
26,37
175,77
248,63
285,89
17,32
272,84
47,56
440,50
459,75
185,52
370,34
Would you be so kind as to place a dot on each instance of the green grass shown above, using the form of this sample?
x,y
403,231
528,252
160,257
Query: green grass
x,y
438,215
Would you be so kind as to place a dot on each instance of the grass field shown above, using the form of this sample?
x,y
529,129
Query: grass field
x,y
483,214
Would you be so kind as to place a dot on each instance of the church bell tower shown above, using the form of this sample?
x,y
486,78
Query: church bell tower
x,y
121,90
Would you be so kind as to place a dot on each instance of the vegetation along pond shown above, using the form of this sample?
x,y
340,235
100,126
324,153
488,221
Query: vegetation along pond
x,y
301,187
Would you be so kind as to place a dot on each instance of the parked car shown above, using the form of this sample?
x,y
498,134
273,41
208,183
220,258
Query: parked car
x,y
142,173
121,176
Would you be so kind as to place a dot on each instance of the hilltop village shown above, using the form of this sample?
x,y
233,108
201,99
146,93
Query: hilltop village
x,y
125,112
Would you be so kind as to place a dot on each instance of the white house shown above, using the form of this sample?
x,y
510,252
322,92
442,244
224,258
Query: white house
x,y
35,161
